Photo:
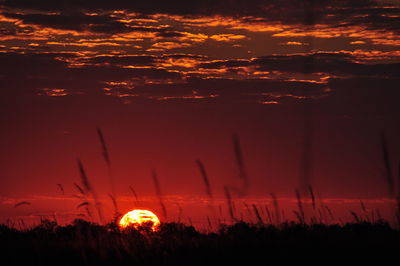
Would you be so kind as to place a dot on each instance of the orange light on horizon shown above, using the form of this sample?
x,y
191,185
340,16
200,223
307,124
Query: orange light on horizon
x,y
137,218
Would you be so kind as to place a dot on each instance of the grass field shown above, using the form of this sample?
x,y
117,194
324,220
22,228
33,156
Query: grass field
x,y
85,243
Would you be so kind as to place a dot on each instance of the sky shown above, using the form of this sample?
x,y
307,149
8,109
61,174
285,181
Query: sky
x,y
302,90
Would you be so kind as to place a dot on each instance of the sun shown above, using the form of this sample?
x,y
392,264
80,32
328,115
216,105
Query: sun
x,y
138,218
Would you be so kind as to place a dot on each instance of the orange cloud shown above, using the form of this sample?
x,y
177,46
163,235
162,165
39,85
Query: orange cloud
x,y
170,45
392,42
53,92
134,36
189,97
86,44
357,42
251,24
327,31
294,43
227,37
317,31
179,62
368,56
269,102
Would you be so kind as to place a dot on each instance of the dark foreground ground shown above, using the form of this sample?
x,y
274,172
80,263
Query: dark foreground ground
x,y
83,243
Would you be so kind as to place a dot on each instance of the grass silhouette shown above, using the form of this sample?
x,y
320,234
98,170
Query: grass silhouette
x,y
86,243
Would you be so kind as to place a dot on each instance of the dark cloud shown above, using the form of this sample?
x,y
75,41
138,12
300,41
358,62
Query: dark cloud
x,y
30,65
362,97
73,21
48,71
137,60
147,7
255,86
249,90
35,71
78,21
330,63
225,7
366,13
361,84
293,11
351,97
170,34
112,73
8,32
370,17
180,56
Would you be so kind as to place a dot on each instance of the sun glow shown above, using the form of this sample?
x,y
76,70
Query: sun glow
x,y
137,218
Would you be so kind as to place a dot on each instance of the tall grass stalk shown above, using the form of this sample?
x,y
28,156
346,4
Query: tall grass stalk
x,y
116,209
206,180
300,205
311,192
80,189
106,156
61,189
241,166
269,214
387,164
247,209
276,208
229,203
158,192
257,213
398,196
83,204
355,216
89,189
21,203
180,212
135,195
364,211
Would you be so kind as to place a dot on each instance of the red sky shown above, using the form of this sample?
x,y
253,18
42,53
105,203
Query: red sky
x,y
169,82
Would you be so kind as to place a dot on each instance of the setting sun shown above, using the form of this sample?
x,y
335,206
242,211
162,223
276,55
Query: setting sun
x,y
138,218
